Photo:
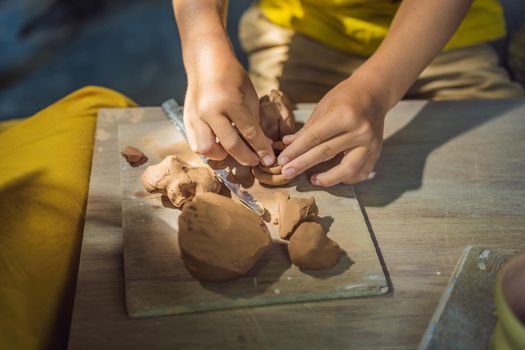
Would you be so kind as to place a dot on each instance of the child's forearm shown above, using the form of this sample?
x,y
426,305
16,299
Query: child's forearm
x,y
221,103
202,32
418,33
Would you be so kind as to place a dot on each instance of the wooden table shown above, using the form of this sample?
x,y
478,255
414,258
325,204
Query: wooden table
x,y
451,174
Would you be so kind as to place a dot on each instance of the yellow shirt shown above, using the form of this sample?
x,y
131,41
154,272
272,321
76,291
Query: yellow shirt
x,y
359,26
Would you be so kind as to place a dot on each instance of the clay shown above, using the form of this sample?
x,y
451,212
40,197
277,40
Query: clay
x,y
242,173
220,239
310,248
277,118
278,147
293,211
271,175
134,156
274,169
179,181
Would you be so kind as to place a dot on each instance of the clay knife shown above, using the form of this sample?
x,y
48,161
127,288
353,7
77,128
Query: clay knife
x,y
174,113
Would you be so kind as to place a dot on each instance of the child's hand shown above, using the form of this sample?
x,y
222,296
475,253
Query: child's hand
x,y
219,93
345,120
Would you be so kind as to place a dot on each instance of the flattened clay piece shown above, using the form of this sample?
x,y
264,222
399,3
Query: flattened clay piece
x,y
134,156
293,211
178,180
310,248
220,239
277,119
274,169
270,175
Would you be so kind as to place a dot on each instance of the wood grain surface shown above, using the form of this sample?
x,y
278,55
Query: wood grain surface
x,y
157,283
451,174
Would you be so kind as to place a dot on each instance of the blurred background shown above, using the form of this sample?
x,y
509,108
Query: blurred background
x,y
49,48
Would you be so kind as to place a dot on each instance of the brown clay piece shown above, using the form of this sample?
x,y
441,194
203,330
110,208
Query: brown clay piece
x,y
293,211
311,248
278,147
134,156
270,175
277,118
179,181
220,239
241,173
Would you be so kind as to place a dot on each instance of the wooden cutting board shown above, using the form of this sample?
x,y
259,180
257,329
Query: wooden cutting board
x,y
157,283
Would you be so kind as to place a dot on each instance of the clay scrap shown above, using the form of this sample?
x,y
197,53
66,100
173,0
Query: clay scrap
x,y
134,156
179,181
219,238
292,212
309,246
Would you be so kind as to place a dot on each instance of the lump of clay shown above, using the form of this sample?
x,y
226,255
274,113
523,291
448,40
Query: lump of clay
x,y
310,248
134,156
292,212
179,181
277,119
220,239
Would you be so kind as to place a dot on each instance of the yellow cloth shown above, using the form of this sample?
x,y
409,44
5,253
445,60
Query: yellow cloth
x,y
359,26
45,164
8,124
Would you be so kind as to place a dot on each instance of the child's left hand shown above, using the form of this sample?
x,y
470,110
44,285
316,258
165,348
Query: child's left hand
x,y
347,120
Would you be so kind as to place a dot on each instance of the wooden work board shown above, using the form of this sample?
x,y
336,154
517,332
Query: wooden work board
x,y
156,281
451,174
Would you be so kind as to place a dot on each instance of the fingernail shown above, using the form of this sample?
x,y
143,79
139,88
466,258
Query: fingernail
x,y
267,160
314,181
371,175
288,172
282,160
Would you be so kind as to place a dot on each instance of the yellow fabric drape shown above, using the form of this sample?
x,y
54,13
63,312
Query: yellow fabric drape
x,y
45,164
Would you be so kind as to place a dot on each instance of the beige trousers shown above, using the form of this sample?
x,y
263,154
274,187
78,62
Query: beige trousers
x,y
306,69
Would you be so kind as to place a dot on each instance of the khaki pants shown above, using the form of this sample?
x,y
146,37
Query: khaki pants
x,y
306,69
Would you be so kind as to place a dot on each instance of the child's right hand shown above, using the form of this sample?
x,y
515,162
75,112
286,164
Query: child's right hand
x,y
220,93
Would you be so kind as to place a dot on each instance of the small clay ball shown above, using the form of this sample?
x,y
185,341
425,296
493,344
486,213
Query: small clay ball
x,y
220,239
179,181
310,248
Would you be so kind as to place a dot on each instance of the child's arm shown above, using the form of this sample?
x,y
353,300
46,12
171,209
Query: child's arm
x,y
350,117
219,89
